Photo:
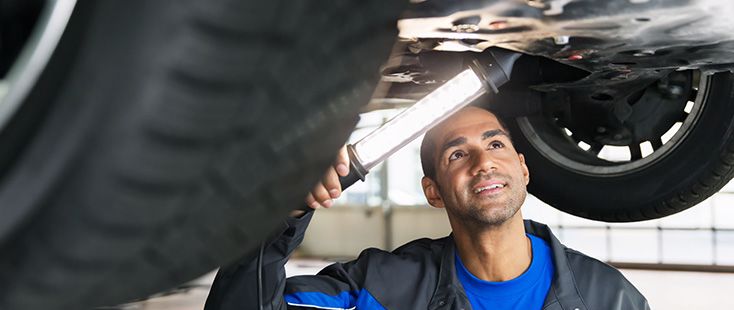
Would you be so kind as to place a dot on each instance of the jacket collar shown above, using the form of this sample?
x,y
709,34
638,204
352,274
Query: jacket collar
x,y
449,293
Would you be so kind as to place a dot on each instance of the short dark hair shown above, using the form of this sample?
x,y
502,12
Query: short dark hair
x,y
428,147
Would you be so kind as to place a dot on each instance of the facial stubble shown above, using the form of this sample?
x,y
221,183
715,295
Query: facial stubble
x,y
480,215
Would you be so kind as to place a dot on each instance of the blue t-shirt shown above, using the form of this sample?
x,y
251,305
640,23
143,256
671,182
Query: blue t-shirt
x,y
527,291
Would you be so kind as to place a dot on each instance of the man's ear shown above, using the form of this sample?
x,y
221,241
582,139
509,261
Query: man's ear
x,y
525,171
430,190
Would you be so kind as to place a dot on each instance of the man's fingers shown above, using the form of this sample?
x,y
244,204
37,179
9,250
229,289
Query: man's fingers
x,y
342,162
331,182
329,187
311,202
321,195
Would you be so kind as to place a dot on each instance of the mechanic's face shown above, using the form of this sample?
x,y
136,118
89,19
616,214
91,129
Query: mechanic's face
x,y
480,178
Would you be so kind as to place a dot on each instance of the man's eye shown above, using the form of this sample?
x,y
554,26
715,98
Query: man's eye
x,y
456,155
496,145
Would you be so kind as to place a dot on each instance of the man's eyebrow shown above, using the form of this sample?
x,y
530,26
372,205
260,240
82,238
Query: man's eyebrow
x,y
494,132
461,140
452,143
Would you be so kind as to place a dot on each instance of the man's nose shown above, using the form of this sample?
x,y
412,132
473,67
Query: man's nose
x,y
483,163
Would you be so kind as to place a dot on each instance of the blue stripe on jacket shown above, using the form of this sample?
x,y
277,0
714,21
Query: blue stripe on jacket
x,y
361,299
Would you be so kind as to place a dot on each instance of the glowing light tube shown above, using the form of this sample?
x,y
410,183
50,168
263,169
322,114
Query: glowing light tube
x,y
419,118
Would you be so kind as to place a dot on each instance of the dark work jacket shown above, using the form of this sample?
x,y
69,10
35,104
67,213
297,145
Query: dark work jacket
x,y
418,275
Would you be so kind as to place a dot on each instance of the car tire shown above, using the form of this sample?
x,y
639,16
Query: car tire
x,y
700,164
166,138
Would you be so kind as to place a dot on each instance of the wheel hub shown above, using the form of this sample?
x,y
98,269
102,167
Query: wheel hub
x,y
590,132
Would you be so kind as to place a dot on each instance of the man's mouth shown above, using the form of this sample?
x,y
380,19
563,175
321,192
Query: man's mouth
x,y
488,187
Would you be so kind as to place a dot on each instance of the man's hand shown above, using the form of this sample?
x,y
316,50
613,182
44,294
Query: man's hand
x,y
329,188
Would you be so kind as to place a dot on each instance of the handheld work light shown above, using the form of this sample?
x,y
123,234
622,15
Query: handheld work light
x,y
459,91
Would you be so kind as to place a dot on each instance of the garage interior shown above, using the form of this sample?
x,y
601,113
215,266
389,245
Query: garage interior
x,y
680,261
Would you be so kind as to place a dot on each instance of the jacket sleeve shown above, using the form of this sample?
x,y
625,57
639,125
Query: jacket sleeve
x,y
235,286
339,285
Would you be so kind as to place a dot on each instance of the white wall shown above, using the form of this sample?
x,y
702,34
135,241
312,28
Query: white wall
x,y
345,231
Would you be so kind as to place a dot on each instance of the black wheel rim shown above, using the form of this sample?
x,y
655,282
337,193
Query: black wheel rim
x,y
35,54
561,146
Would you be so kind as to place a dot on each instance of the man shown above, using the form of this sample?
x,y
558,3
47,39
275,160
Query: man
x,y
492,260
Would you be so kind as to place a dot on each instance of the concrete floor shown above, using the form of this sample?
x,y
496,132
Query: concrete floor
x,y
664,290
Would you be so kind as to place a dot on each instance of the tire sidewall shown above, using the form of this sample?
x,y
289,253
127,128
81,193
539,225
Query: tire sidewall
x,y
635,195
